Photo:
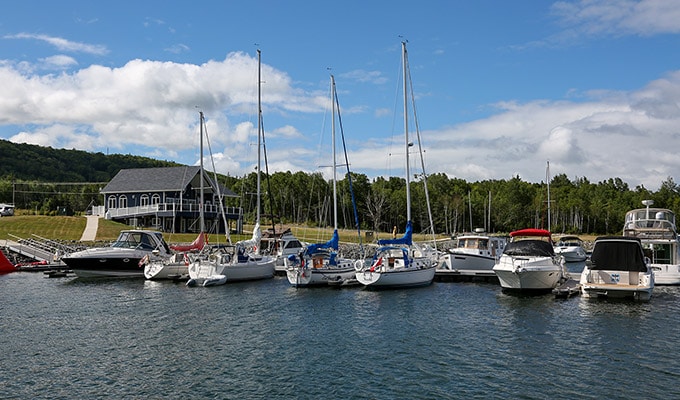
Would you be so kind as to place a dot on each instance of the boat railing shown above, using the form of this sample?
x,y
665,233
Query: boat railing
x,y
650,234
168,207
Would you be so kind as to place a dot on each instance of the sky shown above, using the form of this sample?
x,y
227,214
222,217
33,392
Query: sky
x,y
501,88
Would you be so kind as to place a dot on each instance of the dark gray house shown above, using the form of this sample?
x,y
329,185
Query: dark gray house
x,y
167,199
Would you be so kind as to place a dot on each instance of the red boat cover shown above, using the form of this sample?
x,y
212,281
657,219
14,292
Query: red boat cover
x,y
5,265
530,232
197,244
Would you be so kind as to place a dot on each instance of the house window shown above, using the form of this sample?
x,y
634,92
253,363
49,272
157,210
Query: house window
x,y
122,201
144,200
155,199
112,202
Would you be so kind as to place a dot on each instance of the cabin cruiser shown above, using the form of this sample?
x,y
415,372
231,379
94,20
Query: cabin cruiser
x,y
617,268
475,254
571,248
529,263
655,227
121,259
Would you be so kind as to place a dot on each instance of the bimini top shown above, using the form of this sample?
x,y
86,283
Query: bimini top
x,y
618,253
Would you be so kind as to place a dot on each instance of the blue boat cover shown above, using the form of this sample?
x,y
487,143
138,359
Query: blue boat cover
x,y
407,239
331,244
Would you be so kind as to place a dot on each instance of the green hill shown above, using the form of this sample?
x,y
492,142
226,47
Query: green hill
x,y
27,162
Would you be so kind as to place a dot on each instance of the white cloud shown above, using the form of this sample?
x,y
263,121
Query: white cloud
x,y
59,62
619,17
63,44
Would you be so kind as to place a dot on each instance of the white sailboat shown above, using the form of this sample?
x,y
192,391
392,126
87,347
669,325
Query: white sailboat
x,y
319,264
242,261
176,266
400,262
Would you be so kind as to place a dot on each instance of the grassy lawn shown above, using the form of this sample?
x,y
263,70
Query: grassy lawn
x,y
71,228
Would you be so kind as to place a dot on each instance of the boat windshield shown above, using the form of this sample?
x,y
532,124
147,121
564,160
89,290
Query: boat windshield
x,y
529,247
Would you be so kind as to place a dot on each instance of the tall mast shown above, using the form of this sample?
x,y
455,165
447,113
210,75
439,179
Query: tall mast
x,y
259,129
407,145
335,175
202,202
547,179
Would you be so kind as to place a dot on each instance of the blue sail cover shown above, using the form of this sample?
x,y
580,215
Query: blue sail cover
x,y
406,239
331,244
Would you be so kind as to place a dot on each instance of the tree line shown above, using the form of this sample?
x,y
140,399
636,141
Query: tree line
x,y
52,181
576,206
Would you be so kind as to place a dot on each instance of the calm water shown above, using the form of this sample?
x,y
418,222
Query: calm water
x,y
69,338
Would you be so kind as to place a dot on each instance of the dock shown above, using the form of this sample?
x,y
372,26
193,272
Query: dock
x,y
448,275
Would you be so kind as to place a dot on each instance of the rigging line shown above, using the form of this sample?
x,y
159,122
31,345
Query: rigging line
x,y
217,187
420,150
349,174
266,170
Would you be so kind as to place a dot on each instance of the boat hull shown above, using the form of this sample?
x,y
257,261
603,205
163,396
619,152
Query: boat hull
x,y
534,274
666,274
470,263
305,277
159,270
252,269
396,278
571,254
93,264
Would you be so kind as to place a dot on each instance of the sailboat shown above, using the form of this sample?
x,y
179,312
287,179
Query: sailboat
x,y
400,262
319,264
176,265
241,261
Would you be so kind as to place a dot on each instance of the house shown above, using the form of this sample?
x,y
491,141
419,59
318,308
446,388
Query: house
x,y
167,199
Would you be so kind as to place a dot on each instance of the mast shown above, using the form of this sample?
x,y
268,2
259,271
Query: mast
x,y
547,179
259,129
335,164
407,144
202,202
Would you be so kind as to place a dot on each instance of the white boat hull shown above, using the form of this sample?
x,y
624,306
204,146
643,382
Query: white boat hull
x,y
421,273
463,262
666,274
253,269
616,284
528,273
571,253
302,277
166,269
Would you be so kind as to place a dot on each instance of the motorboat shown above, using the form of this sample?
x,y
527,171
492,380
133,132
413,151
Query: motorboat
x,y
529,263
617,268
281,245
571,248
475,254
656,229
399,262
121,259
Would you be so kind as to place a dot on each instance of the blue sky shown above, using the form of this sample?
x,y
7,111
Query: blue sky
x,y
592,86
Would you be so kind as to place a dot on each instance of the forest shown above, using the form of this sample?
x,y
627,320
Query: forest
x,y
68,182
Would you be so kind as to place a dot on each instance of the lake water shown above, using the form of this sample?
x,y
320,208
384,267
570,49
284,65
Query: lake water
x,y
69,338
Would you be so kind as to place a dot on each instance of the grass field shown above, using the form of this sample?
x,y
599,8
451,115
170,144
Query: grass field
x,y
71,228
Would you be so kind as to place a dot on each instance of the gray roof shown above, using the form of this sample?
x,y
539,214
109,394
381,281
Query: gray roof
x,y
157,180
